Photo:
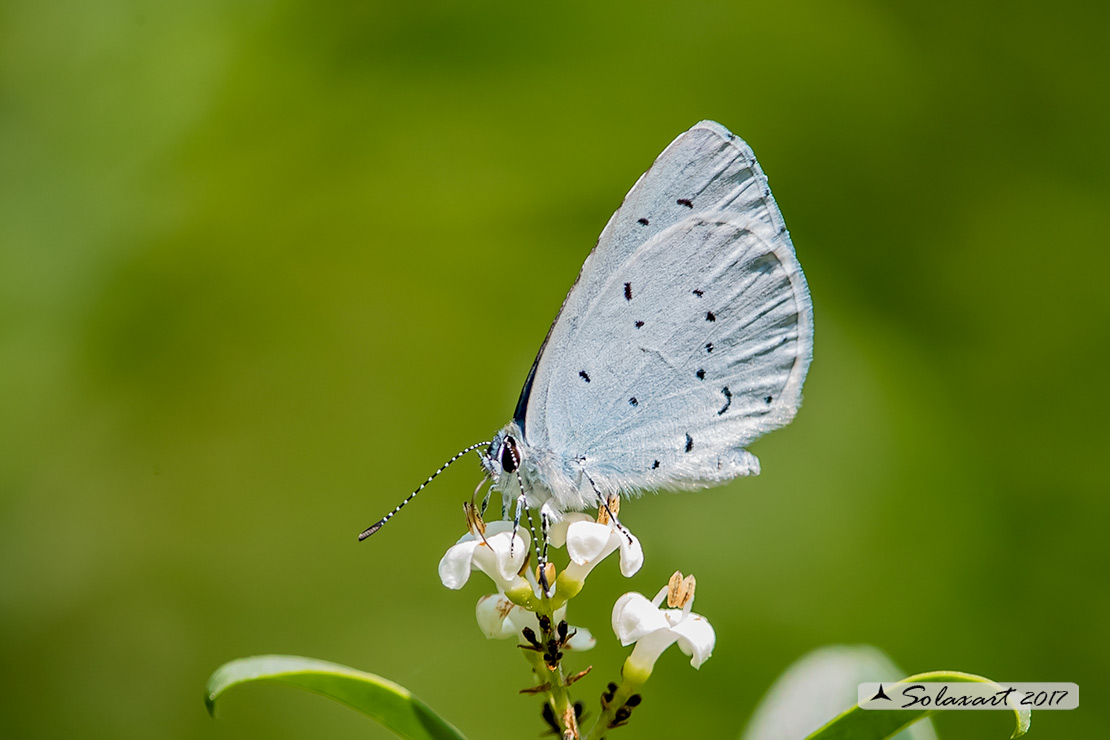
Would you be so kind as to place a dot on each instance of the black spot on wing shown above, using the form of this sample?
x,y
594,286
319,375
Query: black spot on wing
x,y
582,374
633,402
689,442
685,202
644,221
701,374
710,316
628,291
728,400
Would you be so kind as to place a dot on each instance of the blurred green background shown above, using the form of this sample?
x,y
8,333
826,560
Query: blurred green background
x,y
265,265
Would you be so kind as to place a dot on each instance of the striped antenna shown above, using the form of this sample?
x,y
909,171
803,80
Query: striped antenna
x,y
381,522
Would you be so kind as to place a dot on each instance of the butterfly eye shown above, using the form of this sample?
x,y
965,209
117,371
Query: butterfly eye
x,y
510,457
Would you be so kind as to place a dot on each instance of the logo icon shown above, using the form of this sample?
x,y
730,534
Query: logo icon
x,y
880,694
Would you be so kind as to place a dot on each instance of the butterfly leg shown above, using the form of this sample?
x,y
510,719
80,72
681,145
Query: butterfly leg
x,y
616,522
485,501
545,527
521,505
603,503
489,492
541,555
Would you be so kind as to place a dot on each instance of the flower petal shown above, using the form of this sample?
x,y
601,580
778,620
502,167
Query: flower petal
x,y
634,617
696,638
647,651
632,554
493,612
501,559
496,556
557,535
455,566
581,639
589,541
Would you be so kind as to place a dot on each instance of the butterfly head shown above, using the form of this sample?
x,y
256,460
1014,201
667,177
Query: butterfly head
x,y
503,456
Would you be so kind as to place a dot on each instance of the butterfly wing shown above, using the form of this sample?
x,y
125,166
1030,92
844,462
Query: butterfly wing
x,y
686,336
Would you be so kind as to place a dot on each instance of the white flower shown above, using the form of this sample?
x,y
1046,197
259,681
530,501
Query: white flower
x,y
589,542
637,620
500,619
495,555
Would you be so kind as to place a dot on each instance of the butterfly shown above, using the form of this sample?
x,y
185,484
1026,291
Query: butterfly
x,y
686,336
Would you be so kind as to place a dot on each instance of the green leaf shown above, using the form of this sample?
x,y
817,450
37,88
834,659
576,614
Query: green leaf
x,y
816,687
381,700
862,724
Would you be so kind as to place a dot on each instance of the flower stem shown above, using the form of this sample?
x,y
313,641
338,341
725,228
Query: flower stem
x,y
610,708
548,667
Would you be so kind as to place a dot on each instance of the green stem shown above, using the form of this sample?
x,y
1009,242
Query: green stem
x,y
558,697
624,691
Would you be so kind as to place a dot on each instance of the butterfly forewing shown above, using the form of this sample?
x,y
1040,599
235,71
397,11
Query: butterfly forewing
x,y
705,169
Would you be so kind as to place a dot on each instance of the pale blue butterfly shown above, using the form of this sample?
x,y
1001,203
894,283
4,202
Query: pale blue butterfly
x,y
686,336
